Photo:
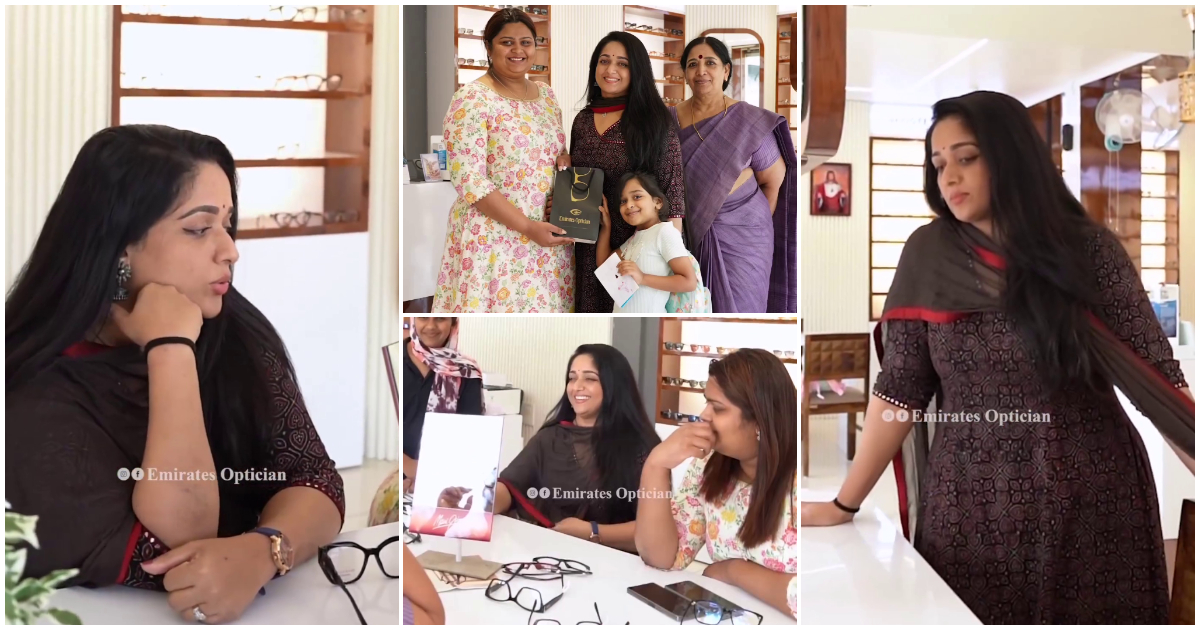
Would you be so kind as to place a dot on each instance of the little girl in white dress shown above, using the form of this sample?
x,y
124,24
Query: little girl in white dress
x,y
655,256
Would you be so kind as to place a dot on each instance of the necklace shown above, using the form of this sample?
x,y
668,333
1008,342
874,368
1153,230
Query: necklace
x,y
497,81
692,106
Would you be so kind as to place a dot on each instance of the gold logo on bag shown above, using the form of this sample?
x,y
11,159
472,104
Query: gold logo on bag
x,y
576,211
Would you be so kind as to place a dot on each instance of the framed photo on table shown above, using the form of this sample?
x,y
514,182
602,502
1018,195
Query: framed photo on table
x,y
831,190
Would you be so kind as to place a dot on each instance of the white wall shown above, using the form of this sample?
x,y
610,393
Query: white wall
x,y
532,352
56,95
834,251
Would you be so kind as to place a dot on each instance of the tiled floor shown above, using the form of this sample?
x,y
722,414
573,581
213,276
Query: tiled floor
x,y
360,484
828,465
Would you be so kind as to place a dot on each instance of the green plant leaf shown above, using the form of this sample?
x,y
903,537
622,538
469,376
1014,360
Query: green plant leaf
x,y
65,617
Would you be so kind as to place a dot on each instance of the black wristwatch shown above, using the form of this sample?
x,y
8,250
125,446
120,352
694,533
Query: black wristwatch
x,y
595,532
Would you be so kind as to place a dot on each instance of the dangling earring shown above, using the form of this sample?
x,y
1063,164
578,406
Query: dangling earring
x,y
124,273
757,435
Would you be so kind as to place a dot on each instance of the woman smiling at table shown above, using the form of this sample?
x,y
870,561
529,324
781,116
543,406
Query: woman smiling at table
x,y
504,136
739,496
156,361
592,447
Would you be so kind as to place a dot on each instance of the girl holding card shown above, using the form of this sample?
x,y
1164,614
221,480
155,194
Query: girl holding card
x,y
654,256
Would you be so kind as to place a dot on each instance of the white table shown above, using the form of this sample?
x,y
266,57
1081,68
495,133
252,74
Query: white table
x,y
303,596
426,212
865,572
613,571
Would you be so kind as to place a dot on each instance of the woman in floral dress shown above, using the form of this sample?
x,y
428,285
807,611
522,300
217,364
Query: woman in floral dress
x,y
738,498
503,136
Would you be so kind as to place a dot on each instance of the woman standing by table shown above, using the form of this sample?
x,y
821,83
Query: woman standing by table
x,y
738,497
1014,304
740,171
594,442
503,137
625,127
157,362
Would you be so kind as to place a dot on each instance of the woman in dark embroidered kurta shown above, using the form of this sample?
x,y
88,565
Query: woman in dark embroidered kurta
x,y
157,362
623,57
86,417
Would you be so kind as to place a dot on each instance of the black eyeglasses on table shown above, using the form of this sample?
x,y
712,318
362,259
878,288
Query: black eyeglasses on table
x,y
712,613
555,622
545,568
341,560
527,597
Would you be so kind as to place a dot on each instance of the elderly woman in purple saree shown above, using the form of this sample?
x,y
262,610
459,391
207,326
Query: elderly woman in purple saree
x,y
746,248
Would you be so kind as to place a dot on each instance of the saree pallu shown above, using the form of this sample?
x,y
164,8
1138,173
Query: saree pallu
x,y
711,166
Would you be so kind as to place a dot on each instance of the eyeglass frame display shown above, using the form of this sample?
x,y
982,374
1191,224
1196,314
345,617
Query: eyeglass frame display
x,y
334,80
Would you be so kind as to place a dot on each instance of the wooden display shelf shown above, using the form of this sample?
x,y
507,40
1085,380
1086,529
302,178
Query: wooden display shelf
x,y
545,46
653,34
305,94
329,159
712,355
308,230
345,156
662,58
679,388
668,82
478,7
327,27
785,106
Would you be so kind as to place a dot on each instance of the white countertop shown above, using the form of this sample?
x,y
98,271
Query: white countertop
x,y
612,572
865,572
302,597
425,210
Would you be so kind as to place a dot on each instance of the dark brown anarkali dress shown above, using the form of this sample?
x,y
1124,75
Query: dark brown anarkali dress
x,y
607,153
1037,522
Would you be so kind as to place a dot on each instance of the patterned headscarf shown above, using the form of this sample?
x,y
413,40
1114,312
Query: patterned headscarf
x,y
449,367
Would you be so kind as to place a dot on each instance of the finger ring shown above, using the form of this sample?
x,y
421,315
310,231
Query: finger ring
x,y
199,614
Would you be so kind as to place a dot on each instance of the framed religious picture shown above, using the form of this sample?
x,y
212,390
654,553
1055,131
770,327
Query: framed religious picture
x,y
831,190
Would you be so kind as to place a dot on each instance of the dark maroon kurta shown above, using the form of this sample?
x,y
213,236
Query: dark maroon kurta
x,y
607,153
1054,522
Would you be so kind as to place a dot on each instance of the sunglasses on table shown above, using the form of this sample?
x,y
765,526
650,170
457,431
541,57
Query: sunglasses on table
x,y
345,562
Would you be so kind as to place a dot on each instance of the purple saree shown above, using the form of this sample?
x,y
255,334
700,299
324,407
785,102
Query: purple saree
x,y
747,255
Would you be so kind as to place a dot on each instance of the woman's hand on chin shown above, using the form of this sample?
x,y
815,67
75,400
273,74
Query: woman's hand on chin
x,y
160,311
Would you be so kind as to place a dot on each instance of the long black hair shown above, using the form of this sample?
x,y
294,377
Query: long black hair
x,y
647,121
124,180
623,436
1042,230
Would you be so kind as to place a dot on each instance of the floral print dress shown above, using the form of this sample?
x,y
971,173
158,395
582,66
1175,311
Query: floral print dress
x,y
497,143
715,526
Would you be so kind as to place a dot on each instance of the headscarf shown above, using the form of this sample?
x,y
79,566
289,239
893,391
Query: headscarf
x,y
449,367
950,270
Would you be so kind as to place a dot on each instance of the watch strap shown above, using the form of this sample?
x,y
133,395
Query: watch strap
x,y
595,531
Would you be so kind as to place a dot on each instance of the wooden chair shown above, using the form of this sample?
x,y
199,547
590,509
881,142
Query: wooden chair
x,y
1183,585
833,357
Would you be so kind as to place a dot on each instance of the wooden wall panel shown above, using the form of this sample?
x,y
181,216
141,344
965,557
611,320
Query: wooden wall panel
x,y
824,70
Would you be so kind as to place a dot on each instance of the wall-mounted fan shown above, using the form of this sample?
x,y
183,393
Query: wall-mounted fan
x,y
1119,116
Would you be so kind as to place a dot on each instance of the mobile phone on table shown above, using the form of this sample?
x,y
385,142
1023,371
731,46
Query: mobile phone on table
x,y
694,592
667,602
